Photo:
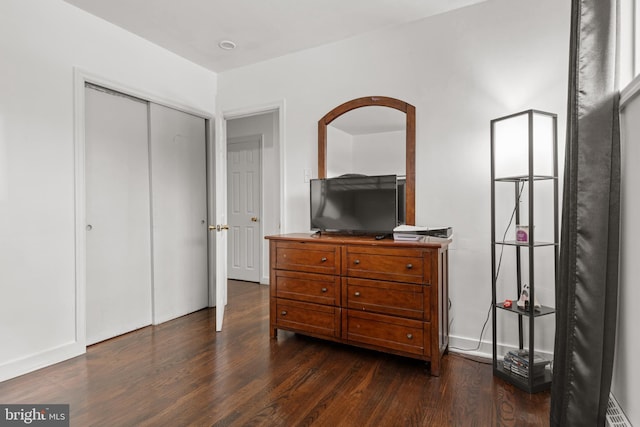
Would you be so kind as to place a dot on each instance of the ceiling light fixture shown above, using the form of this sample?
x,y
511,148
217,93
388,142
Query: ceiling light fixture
x,y
227,45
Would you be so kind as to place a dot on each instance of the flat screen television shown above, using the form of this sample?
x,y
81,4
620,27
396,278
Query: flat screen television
x,y
356,204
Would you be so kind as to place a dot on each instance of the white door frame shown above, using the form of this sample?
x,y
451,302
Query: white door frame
x,y
81,77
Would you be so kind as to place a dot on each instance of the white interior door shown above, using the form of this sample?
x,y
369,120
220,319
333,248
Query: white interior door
x,y
118,236
243,207
179,212
221,222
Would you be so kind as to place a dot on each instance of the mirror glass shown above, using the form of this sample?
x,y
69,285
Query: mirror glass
x,y
368,140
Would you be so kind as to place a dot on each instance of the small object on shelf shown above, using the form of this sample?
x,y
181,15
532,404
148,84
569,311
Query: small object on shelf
x,y
522,233
507,303
523,301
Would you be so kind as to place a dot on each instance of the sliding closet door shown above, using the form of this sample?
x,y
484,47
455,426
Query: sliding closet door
x,y
118,215
179,212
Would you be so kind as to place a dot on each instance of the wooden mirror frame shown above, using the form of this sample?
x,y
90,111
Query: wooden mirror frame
x,y
380,101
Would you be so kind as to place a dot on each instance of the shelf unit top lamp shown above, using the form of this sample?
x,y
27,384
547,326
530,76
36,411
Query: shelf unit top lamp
x,y
524,150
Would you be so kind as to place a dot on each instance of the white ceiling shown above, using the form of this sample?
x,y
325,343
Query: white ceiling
x,y
262,29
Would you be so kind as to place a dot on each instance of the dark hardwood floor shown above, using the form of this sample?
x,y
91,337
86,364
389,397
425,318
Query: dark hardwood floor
x,y
184,373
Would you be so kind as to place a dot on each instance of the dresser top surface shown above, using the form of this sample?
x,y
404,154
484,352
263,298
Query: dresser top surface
x,y
425,241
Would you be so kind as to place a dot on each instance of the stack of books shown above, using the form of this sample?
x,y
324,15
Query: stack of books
x,y
416,232
409,232
517,362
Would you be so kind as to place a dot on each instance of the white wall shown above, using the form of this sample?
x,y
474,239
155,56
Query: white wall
x,y
41,41
266,125
626,374
459,70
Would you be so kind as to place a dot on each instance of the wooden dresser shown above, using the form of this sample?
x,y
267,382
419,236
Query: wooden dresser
x,y
380,294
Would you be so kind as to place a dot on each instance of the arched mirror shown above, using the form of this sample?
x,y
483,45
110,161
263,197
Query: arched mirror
x,y
376,137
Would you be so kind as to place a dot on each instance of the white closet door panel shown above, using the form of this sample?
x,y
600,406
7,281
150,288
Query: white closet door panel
x,y
179,212
118,215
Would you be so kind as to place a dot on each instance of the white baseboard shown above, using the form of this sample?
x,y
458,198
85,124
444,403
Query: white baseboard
x,y
15,368
469,346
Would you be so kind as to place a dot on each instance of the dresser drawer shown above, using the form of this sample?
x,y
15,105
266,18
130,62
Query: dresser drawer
x,y
397,299
392,264
387,332
315,319
309,287
309,257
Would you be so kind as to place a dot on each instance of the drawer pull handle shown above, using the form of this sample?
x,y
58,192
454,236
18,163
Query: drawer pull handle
x,y
324,290
356,262
357,293
284,312
324,259
410,336
409,266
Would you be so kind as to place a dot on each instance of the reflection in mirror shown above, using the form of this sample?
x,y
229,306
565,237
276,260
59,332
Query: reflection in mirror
x,y
368,140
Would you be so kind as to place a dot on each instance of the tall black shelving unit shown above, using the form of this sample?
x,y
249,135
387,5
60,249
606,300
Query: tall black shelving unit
x,y
527,180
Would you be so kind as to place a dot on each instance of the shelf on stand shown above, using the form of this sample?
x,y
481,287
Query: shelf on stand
x,y
542,311
521,178
525,244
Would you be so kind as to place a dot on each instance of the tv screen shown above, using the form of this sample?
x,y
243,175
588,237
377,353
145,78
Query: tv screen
x,y
355,204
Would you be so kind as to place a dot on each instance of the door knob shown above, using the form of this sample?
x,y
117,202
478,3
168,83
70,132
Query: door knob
x,y
254,219
218,227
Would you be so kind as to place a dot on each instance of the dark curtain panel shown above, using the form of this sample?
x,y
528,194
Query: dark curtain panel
x,y
587,285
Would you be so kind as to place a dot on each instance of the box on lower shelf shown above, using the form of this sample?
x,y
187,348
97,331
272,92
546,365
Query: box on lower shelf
x,y
517,361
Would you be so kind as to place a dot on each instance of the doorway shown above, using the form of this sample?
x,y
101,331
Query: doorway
x,y
252,152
